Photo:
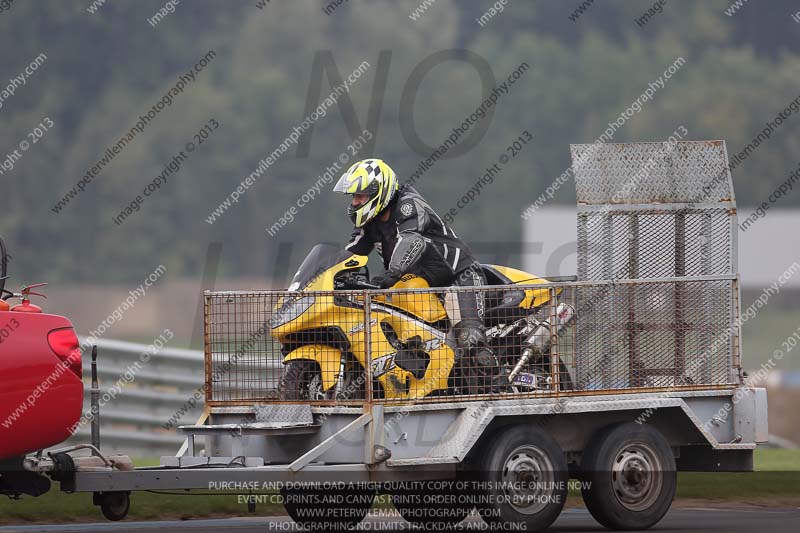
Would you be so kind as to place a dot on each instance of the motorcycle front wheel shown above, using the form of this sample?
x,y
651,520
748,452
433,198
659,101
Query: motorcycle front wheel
x,y
302,381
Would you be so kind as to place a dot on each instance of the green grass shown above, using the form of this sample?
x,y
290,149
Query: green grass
x,y
144,506
765,333
730,485
777,476
78,507
771,459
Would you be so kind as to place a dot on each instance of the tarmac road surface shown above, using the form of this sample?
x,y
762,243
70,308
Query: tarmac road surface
x,y
577,520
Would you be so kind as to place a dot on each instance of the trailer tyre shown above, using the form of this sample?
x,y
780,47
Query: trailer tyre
x,y
523,479
113,505
629,477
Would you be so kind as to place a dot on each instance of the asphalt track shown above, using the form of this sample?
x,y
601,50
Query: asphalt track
x,y
571,520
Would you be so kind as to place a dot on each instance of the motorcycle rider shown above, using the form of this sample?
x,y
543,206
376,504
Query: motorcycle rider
x,y
413,239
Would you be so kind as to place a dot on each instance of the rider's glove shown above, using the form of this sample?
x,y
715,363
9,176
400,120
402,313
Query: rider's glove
x,y
385,281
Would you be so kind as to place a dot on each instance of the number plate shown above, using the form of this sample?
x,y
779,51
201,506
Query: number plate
x,y
524,379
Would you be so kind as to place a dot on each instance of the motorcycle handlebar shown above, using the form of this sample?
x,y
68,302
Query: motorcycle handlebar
x,y
353,282
365,285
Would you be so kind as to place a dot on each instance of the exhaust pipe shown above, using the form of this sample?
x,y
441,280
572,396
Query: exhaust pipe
x,y
538,342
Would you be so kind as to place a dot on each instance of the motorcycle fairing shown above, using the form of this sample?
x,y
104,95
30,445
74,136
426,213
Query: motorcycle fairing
x,y
426,306
399,383
409,316
533,297
328,358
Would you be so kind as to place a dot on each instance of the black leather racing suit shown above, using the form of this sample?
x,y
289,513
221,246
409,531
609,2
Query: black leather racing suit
x,y
415,240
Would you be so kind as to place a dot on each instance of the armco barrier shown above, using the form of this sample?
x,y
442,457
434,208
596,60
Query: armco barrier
x,y
134,412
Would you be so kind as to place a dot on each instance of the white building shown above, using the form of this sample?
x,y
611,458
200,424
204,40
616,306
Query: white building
x,y
767,248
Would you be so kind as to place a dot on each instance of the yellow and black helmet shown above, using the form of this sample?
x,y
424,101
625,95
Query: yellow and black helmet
x,y
374,178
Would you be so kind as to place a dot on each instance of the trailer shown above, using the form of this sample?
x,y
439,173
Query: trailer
x,y
641,380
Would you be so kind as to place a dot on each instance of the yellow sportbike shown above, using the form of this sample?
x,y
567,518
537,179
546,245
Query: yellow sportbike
x,y
320,323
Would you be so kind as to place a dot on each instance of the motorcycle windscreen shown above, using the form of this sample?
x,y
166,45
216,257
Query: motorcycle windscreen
x,y
321,258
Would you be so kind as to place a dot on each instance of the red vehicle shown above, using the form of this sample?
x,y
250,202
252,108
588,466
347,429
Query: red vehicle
x,y
41,397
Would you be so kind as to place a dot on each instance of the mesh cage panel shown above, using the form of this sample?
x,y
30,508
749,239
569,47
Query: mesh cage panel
x,y
241,359
398,346
656,219
664,212
655,244
644,173
656,334
266,346
654,210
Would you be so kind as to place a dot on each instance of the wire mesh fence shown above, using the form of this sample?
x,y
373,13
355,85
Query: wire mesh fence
x,y
654,243
656,306
654,210
657,334
651,173
396,346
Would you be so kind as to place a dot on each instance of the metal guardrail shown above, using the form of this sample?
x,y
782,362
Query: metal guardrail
x,y
134,412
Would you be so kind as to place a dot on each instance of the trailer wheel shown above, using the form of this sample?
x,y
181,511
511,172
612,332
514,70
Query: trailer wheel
x,y
523,479
113,505
432,504
629,477
318,509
